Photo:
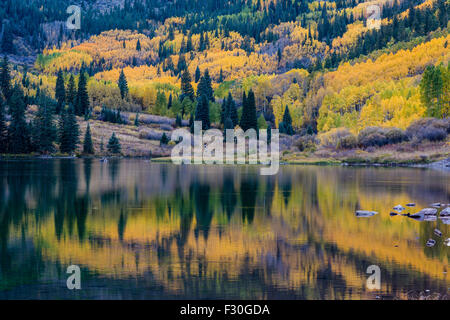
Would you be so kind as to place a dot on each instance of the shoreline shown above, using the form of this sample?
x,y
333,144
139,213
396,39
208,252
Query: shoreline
x,y
443,164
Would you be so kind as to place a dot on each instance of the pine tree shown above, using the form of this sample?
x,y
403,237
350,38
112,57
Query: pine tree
x,y
136,120
68,131
71,91
164,139
191,123
88,147
202,112
114,144
221,76
82,103
197,74
3,129
286,125
232,111
7,40
60,92
205,87
138,45
186,86
169,104
18,131
123,85
248,119
44,130
5,79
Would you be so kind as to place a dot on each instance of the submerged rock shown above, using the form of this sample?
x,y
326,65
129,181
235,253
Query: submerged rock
x,y
365,213
447,242
431,243
393,214
410,204
438,232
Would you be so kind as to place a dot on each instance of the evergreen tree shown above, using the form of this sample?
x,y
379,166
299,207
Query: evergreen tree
x,y
136,120
191,123
169,104
232,110
44,130
138,45
60,92
88,147
123,85
164,139
286,125
205,87
178,121
7,40
221,76
71,91
82,103
3,129
186,86
68,131
5,79
114,144
202,112
197,74
18,131
248,119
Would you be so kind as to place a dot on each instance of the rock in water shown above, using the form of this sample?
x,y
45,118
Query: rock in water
x,y
438,232
410,204
435,205
447,242
393,214
431,243
445,212
428,212
399,208
365,213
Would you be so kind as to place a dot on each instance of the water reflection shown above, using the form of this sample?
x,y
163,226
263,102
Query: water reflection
x,y
142,230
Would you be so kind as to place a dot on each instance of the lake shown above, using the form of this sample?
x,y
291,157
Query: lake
x,y
141,230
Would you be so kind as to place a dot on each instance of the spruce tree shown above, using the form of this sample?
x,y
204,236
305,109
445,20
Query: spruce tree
x,y
18,131
138,45
286,125
60,92
205,87
136,120
202,112
3,129
191,123
5,79
232,111
197,74
68,131
88,147
249,120
164,140
186,87
44,130
7,40
114,144
71,91
123,85
82,103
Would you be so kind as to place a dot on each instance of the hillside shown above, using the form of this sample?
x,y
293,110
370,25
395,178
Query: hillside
x,y
314,68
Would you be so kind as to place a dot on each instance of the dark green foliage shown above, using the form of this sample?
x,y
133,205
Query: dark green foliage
x,y
44,130
5,79
136,120
197,75
202,112
138,45
186,87
286,125
164,140
123,85
18,131
191,123
60,92
3,129
71,91
7,40
88,147
178,121
114,145
170,102
432,89
82,100
205,87
229,111
68,131
249,119
112,116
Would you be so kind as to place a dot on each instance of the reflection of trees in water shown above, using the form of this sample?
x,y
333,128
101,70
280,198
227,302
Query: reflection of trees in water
x,y
228,196
203,211
248,192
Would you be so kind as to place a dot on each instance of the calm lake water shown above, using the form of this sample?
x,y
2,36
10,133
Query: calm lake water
x,y
140,230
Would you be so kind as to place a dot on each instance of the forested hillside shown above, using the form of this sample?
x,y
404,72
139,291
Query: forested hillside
x,y
316,70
